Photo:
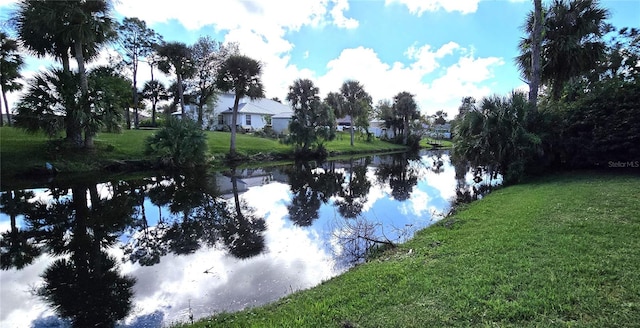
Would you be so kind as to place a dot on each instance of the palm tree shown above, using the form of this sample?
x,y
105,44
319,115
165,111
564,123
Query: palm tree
x,y
355,102
60,27
407,109
34,22
89,28
10,63
536,43
176,56
154,91
572,44
240,74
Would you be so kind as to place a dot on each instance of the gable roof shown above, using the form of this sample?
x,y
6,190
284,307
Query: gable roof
x,y
262,106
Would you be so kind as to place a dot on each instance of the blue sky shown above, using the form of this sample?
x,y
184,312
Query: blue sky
x,y
439,50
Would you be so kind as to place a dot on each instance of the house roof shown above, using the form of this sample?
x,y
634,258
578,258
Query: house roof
x,y
284,115
262,106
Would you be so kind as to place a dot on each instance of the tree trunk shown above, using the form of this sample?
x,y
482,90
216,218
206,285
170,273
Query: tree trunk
x,y
405,131
154,100
135,96
234,122
84,90
73,127
536,43
351,128
127,116
181,96
6,107
1,117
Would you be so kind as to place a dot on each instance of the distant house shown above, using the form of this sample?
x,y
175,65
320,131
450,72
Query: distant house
x,y
280,122
379,129
440,131
252,114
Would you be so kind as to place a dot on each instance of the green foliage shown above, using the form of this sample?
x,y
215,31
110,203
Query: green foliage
x,y
572,42
600,126
11,61
312,121
352,101
110,94
181,143
496,136
406,110
242,75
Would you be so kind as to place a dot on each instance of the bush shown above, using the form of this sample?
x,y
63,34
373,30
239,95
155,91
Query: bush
x,y
181,143
601,126
147,123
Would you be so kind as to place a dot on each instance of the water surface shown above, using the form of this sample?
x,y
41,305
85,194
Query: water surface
x,y
169,248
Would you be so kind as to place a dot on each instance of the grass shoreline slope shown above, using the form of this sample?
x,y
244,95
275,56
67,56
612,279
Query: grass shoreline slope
x,y
561,251
21,152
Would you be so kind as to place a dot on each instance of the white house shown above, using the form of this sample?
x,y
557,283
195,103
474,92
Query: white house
x,y
252,114
280,122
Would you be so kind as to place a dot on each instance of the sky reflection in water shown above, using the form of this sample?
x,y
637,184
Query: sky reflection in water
x,y
304,236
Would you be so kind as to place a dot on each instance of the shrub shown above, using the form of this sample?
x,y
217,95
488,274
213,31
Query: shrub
x,y
181,143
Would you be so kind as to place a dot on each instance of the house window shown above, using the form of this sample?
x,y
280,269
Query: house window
x,y
220,119
248,120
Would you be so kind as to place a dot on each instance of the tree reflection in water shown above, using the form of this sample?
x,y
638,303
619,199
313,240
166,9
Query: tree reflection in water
x,y
81,221
242,230
401,175
311,187
18,246
78,224
84,285
353,195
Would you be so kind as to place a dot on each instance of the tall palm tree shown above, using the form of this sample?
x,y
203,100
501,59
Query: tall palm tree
x,y
406,108
240,74
571,45
356,101
35,21
61,27
154,91
536,43
176,56
10,63
90,27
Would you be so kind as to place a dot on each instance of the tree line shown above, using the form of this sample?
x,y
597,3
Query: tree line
x,y
82,101
583,102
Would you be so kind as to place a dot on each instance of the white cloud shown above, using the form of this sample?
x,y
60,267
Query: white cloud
x,y
337,13
435,87
258,26
418,7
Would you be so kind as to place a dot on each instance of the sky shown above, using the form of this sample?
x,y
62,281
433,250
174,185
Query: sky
x,y
439,50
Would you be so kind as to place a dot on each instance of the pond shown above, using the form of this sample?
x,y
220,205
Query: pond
x,y
156,250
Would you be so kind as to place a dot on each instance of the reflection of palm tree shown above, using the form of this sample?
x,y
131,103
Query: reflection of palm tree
x,y
17,247
354,195
401,177
243,232
305,202
88,289
310,190
86,286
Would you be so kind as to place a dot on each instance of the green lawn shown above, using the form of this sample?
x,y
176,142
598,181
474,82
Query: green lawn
x,y
20,151
444,143
563,251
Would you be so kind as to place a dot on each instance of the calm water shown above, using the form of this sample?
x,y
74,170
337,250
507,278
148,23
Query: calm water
x,y
152,251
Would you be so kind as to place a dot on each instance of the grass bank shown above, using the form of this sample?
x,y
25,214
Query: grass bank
x,y
558,252
20,151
